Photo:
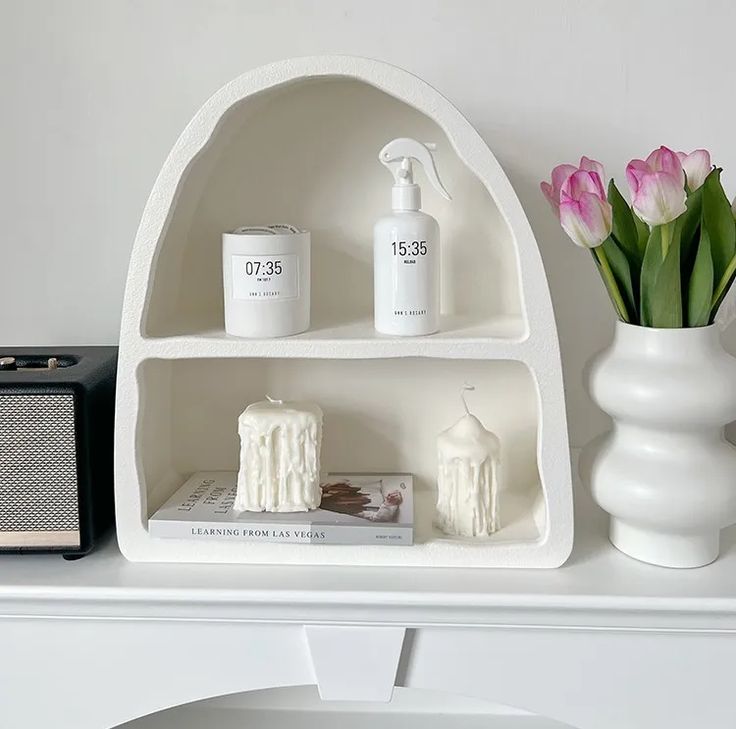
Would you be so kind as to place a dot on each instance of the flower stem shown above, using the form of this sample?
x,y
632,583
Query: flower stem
x,y
666,238
611,284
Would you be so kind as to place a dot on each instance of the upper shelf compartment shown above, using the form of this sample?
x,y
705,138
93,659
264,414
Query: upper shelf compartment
x,y
305,151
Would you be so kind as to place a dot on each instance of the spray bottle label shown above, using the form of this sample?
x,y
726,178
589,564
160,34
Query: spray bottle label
x,y
412,284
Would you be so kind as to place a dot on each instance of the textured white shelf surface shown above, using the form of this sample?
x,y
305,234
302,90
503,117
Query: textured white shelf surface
x,y
182,382
598,587
460,337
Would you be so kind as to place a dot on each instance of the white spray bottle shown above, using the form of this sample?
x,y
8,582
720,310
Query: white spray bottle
x,y
406,247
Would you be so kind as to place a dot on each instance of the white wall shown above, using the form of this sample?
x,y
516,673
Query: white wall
x,y
93,93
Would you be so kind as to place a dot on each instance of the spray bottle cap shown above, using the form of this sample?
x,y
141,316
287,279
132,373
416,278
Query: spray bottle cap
x,y
397,156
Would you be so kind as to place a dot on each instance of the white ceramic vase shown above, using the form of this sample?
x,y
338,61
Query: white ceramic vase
x,y
665,473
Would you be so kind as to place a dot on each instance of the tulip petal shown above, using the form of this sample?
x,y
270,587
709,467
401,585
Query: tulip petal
x,y
665,160
659,199
587,221
549,192
597,214
635,170
592,166
697,167
560,175
580,182
654,160
598,180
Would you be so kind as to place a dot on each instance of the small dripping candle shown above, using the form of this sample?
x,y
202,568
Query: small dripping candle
x,y
279,457
468,477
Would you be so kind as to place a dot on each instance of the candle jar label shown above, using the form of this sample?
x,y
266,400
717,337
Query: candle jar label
x,y
265,277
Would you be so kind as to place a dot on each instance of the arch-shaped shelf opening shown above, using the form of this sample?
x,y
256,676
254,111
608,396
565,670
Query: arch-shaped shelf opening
x,y
306,153
300,707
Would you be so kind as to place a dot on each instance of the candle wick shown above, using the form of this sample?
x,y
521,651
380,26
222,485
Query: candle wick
x,y
466,388
273,401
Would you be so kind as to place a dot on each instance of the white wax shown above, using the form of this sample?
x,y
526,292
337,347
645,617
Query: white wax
x,y
467,479
279,457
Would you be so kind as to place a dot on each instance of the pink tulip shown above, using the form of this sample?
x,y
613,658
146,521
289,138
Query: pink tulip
x,y
560,175
657,186
697,167
552,191
585,214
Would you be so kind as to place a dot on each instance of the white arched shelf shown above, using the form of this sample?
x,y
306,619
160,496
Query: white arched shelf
x,y
297,141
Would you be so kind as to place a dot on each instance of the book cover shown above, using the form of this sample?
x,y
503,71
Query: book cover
x,y
355,509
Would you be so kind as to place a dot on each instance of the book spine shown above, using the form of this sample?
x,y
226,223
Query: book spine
x,y
283,533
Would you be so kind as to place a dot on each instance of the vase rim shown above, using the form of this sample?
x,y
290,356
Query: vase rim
x,y
664,331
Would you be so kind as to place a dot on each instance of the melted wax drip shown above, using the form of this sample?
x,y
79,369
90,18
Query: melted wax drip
x,y
279,463
468,479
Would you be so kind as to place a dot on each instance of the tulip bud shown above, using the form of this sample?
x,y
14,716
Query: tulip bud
x,y
552,191
585,214
657,187
697,167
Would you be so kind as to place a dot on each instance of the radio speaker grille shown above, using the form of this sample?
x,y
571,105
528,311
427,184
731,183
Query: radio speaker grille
x,y
38,463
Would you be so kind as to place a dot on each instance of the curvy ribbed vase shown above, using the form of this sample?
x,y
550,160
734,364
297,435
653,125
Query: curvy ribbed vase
x,y
665,473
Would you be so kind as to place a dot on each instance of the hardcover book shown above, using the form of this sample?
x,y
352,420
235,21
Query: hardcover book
x,y
355,509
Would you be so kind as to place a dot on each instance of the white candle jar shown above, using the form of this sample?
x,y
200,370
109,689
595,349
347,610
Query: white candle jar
x,y
266,281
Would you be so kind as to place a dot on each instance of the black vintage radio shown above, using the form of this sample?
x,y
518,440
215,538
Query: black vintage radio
x,y
56,446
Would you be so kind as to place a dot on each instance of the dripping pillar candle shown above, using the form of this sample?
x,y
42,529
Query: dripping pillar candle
x,y
279,457
467,479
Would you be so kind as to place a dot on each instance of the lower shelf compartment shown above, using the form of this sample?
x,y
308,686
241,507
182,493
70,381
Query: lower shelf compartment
x,y
380,415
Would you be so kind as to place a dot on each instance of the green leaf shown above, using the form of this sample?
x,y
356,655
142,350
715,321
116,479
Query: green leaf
x,y
666,300
642,230
624,227
723,287
689,223
700,289
718,220
649,269
622,274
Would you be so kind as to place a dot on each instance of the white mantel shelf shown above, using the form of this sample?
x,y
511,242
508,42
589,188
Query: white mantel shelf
x,y
563,644
598,588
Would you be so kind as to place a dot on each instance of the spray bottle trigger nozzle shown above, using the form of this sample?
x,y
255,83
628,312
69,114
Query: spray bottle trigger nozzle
x,y
398,154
